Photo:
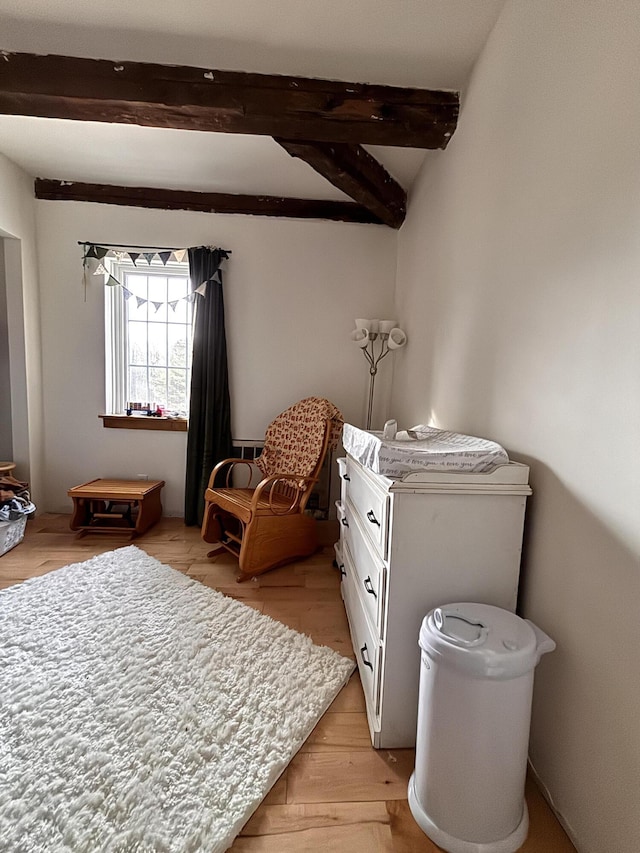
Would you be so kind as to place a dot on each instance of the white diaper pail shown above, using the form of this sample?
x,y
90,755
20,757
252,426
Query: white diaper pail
x,y
476,683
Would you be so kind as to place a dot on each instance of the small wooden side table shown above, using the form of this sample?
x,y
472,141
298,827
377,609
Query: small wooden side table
x,y
115,506
7,468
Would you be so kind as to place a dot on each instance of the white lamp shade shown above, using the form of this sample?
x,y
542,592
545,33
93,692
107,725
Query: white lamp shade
x,y
386,326
360,337
363,324
397,338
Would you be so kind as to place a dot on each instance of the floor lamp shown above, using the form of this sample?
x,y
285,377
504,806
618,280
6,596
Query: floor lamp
x,y
376,339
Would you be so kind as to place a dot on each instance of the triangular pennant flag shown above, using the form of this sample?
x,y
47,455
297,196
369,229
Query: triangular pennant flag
x,y
149,256
157,305
112,282
100,251
126,292
134,257
173,304
164,257
202,289
90,264
179,254
190,297
216,277
118,255
100,269
140,301
90,252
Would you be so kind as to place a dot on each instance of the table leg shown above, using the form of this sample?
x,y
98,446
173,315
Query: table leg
x,y
79,513
149,511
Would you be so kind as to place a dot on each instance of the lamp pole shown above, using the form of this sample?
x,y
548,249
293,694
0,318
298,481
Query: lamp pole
x,y
374,360
388,336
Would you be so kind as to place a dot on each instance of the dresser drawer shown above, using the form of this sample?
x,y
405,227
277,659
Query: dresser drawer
x,y
368,650
341,515
370,502
369,568
344,477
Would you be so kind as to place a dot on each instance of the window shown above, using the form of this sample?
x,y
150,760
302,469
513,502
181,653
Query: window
x,y
148,336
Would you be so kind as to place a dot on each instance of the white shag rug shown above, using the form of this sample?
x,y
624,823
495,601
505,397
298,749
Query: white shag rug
x,y
142,712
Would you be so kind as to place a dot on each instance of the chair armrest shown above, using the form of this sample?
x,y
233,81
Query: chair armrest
x,y
231,463
298,483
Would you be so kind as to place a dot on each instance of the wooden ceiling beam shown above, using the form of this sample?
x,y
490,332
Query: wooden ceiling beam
x,y
202,99
163,199
357,173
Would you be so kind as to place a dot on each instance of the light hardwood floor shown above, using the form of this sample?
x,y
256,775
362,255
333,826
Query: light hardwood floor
x,y
338,793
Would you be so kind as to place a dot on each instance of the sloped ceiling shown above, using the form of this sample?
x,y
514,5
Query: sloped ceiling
x,y
421,43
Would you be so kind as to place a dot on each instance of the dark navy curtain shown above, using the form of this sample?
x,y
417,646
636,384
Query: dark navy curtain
x,y
209,437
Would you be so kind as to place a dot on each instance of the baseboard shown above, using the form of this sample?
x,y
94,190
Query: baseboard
x,y
547,795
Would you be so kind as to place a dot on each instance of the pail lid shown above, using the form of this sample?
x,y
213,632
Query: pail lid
x,y
482,640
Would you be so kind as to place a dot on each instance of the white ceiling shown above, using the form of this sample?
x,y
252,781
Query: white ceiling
x,y
128,155
424,43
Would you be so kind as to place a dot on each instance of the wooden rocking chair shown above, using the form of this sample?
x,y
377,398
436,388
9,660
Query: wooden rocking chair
x,y
267,526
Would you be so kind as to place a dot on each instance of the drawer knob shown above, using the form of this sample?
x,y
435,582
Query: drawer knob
x,y
363,652
372,518
368,585
343,573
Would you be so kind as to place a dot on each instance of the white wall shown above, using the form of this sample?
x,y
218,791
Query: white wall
x,y
6,423
18,230
518,276
292,290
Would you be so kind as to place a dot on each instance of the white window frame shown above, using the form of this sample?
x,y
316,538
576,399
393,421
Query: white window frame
x,y
116,337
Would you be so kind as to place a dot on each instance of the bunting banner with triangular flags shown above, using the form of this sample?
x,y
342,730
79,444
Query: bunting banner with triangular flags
x,y
96,252
94,257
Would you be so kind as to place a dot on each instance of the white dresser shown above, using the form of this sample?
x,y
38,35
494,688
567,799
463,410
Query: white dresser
x,y
407,546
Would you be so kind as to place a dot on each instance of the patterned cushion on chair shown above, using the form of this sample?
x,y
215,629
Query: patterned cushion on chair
x,y
294,440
